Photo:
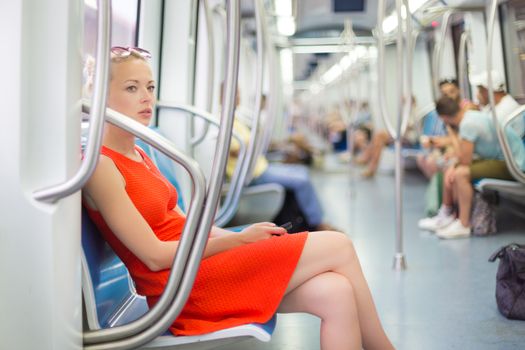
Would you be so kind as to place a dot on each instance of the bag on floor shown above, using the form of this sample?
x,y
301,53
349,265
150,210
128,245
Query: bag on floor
x,y
510,281
483,216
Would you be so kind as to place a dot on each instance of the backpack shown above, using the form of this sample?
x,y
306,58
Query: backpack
x,y
483,216
510,280
291,213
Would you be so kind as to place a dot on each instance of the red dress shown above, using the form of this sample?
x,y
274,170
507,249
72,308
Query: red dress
x,y
242,285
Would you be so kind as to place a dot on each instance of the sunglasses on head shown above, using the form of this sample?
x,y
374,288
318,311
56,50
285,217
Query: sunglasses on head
x,y
123,52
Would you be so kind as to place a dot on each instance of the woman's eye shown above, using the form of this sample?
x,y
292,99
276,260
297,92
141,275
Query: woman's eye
x,y
151,88
131,88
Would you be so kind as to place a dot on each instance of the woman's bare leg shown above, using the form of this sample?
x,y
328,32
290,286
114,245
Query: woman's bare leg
x,y
379,142
329,296
332,251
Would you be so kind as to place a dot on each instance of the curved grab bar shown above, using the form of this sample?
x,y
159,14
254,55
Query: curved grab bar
x,y
232,197
462,63
251,160
212,198
404,58
381,67
273,102
408,50
211,70
187,238
507,152
402,70
75,183
436,62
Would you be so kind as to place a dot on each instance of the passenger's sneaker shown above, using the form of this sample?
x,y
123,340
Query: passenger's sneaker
x,y
454,230
441,220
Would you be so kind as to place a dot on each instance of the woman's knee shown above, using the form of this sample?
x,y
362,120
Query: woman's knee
x,y
334,294
337,244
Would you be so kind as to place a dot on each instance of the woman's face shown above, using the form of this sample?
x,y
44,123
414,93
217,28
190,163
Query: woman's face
x,y
131,89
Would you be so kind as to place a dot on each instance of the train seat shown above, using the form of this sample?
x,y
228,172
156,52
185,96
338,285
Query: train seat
x,y
110,298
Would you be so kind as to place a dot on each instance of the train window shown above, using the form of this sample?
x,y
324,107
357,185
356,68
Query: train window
x,y
513,29
123,24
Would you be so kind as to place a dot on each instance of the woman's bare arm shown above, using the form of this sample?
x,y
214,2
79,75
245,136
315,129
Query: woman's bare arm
x,y
105,192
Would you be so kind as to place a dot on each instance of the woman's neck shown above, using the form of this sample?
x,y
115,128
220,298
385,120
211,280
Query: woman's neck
x,y
120,141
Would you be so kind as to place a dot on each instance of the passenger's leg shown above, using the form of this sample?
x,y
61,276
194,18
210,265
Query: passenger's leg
x,y
465,193
332,251
379,141
448,199
329,296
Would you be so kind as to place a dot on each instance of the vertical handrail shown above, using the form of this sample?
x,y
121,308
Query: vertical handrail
x,y
260,21
507,152
436,62
96,117
106,336
410,38
462,63
217,174
404,59
383,111
190,81
211,70
251,158
273,99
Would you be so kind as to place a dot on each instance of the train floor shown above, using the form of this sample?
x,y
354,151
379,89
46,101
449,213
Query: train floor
x,y
444,300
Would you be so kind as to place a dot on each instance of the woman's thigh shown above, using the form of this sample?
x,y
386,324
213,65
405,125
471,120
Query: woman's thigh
x,y
323,251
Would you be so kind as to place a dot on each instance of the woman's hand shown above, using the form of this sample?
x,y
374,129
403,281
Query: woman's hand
x,y
260,231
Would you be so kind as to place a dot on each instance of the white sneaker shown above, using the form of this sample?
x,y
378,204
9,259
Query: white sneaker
x,y
437,222
454,230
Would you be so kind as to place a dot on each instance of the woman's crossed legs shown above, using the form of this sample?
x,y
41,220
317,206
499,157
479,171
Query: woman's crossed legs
x,y
329,283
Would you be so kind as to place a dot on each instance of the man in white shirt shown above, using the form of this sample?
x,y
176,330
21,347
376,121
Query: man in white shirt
x,y
505,103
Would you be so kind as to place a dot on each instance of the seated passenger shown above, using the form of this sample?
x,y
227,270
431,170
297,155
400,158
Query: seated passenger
x,y
505,103
293,177
441,153
380,139
244,277
476,136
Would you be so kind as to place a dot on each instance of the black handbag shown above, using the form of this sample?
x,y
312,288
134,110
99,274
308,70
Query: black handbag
x,y
510,280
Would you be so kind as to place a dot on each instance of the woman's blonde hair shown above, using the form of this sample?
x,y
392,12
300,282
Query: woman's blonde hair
x,y
88,71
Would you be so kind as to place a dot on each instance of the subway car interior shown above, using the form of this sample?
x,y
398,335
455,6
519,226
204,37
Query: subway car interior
x,y
396,126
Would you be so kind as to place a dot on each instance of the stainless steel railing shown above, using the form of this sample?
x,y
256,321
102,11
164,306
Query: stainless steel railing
x,y
88,165
515,171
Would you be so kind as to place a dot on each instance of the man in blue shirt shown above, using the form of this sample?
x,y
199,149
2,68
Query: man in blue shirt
x,y
479,155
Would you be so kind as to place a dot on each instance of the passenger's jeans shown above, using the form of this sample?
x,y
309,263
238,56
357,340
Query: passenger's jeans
x,y
295,177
